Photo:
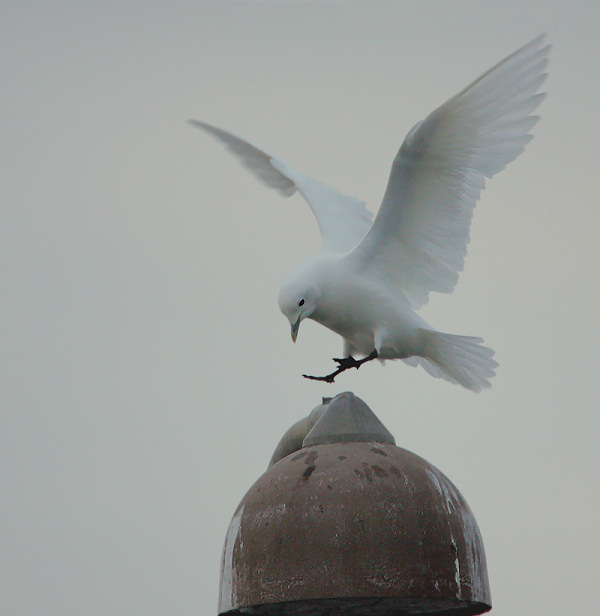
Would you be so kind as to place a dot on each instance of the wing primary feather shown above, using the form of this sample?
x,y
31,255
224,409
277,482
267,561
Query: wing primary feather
x,y
343,220
419,238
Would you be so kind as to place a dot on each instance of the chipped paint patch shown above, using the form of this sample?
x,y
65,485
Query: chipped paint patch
x,y
227,592
456,568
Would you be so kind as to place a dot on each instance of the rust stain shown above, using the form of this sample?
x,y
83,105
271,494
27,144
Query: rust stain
x,y
378,451
308,472
380,472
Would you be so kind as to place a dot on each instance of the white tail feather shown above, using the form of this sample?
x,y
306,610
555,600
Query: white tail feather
x,y
458,359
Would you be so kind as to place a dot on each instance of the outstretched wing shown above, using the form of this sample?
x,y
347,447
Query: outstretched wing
x,y
344,221
419,238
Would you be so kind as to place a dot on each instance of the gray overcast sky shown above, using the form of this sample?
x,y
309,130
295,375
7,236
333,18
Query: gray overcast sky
x,y
147,371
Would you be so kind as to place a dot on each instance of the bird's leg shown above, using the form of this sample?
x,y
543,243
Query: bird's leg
x,y
343,364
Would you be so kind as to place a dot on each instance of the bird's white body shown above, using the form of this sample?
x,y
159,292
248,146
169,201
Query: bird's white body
x,y
369,317
366,315
371,277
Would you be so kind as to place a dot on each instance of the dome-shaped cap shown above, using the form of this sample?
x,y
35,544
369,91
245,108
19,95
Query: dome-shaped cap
x,y
353,528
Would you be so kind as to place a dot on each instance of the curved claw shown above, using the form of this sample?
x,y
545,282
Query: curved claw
x,y
329,378
343,364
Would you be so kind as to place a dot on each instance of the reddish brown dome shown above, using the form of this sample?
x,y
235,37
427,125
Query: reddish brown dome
x,y
353,527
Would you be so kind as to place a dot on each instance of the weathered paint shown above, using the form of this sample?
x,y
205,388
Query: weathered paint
x,y
367,524
227,593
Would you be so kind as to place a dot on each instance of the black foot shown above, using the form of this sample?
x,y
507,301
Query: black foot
x,y
343,364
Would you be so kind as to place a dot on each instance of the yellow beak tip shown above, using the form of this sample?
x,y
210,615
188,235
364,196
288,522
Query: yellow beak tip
x,y
295,327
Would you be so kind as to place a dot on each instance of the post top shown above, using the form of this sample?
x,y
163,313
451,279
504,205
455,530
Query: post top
x,y
347,419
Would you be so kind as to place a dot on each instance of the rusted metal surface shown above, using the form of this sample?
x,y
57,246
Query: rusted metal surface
x,y
353,528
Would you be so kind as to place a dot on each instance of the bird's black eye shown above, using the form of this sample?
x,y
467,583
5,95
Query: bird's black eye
x,y
301,302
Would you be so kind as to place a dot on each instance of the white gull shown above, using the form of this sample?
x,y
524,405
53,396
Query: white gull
x,y
371,276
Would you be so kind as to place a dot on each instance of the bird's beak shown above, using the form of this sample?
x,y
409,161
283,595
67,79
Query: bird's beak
x,y
295,328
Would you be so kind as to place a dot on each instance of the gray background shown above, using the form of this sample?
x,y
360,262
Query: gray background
x,y
147,372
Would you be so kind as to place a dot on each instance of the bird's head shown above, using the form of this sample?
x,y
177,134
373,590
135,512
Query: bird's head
x,y
298,299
